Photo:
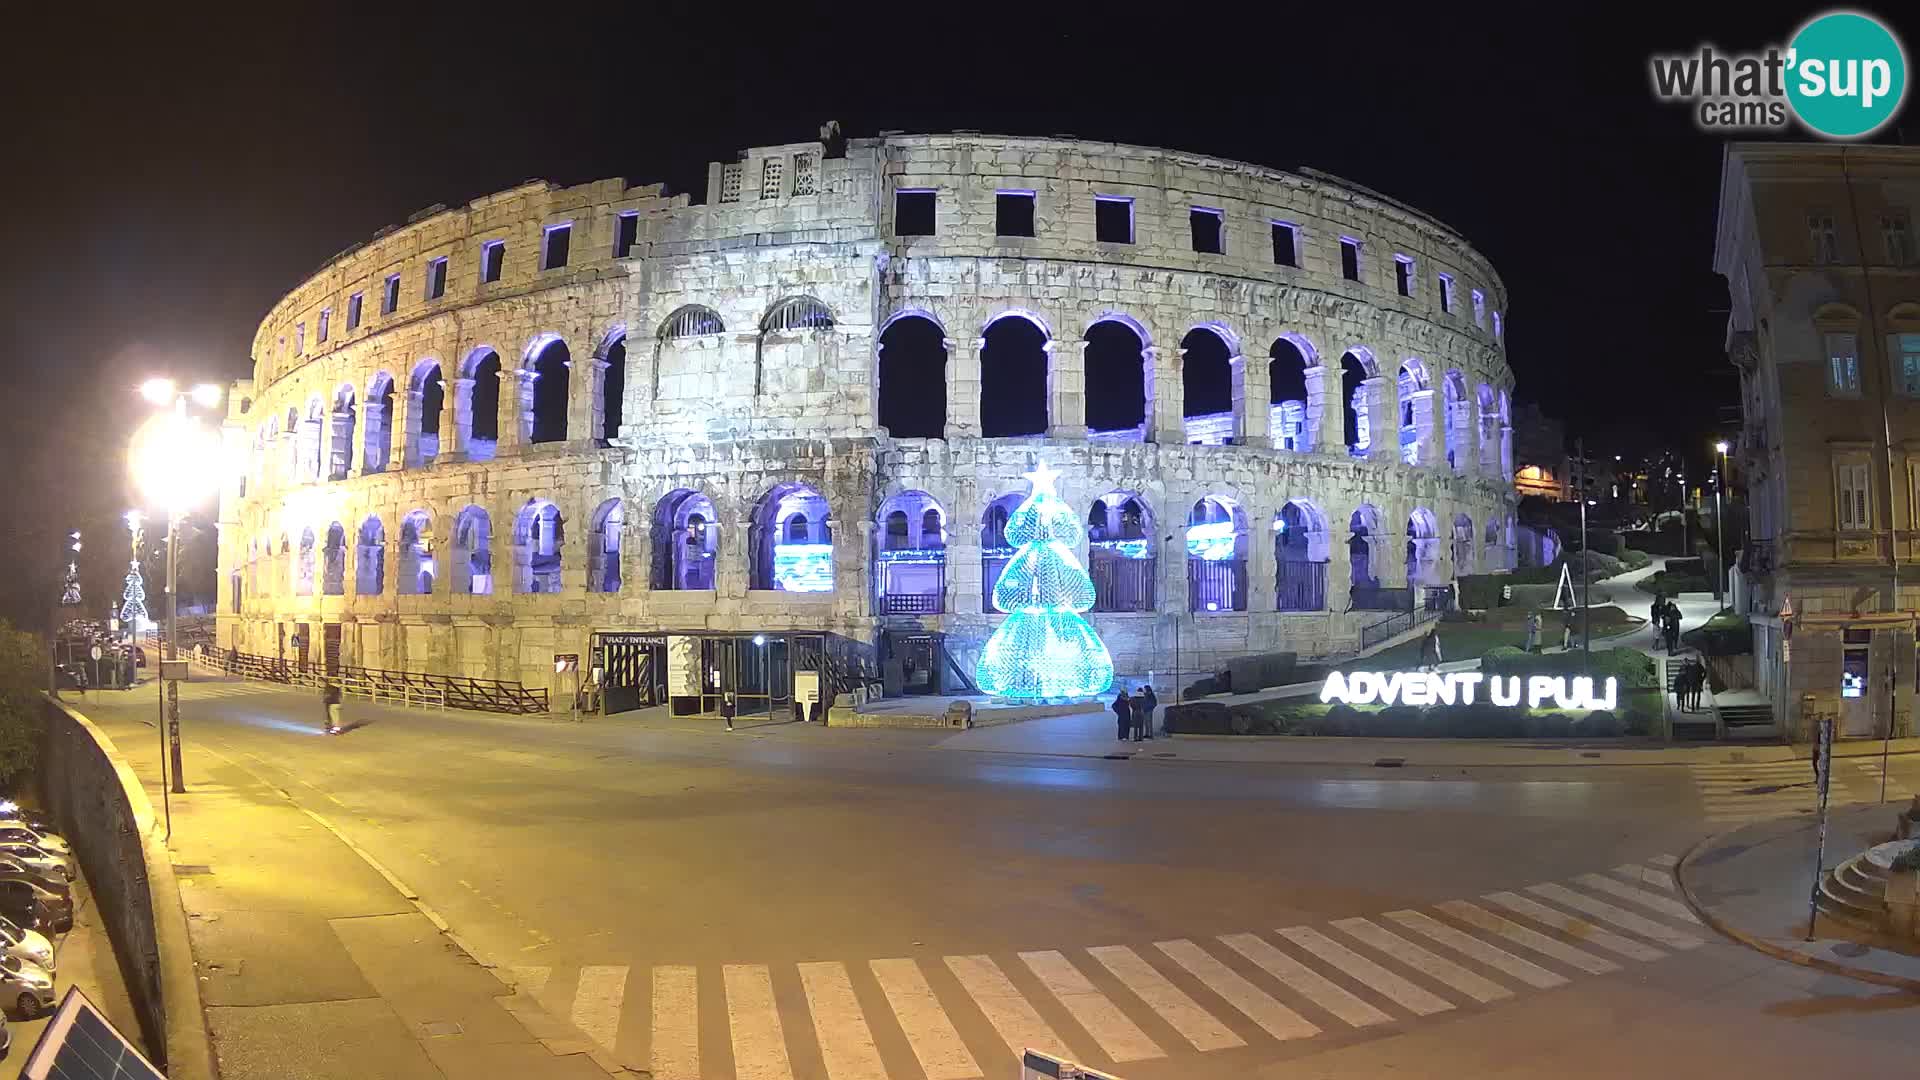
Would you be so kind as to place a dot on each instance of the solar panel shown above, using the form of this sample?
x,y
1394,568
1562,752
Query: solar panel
x,y
80,1044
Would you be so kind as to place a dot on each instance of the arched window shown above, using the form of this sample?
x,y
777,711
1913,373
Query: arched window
x,y
1207,376
413,576
340,437
303,569
910,569
912,373
792,541
1423,548
680,370
544,390
1300,553
1014,377
789,323
1122,556
603,547
686,535
427,393
537,542
1289,402
290,454
1416,410
370,561
1489,431
377,444
333,573
1119,381
995,550
613,386
472,562
1216,555
1459,420
1356,368
282,571
691,320
311,431
1490,553
1363,529
476,404
1506,437
1462,545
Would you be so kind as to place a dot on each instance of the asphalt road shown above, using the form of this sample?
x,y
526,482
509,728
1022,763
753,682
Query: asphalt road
x,y
625,865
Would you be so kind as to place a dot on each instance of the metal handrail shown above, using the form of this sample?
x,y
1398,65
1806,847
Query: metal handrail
x,y
380,684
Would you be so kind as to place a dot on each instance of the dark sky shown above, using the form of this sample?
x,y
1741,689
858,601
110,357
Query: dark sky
x,y
167,180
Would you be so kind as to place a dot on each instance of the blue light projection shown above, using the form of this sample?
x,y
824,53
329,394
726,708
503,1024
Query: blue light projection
x,y
1044,649
803,567
1212,541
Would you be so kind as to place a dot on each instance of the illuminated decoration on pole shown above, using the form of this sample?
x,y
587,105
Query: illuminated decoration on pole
x,y
70,594
1044,649
133,602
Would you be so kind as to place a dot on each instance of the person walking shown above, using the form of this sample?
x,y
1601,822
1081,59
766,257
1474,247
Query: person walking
x,y
1673,628
1430,650
1533,631
1123,714
1566,631
1698,686
330,699
1145,703
727,708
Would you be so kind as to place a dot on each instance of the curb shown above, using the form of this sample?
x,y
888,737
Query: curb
x,y
1769,948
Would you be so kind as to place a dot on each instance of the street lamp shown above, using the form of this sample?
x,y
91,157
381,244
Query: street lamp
x,y
1719,529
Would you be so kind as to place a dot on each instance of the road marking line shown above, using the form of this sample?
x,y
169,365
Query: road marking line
x,y
531,980
1467,945
1010,1014
846,1044
1575,927
1305,981
596,1003
1476,916
1477,987
759,1046
942,1054
1668,861
1646,875
1403,992
1118,1036
1276,1019
1625,920
1169,1002
676,1023
1665,905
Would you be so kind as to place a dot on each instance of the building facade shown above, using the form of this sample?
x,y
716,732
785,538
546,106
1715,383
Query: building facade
x,y
603,420
1816,243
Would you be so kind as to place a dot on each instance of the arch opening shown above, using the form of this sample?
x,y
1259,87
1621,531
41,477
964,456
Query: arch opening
x,y
377,443
428,396
1216,555
686,537
995,549
1015,378
613,388
1300,555
912,376
1207,378
1489,431
1118,381
547,383
1423,549
340,434
472,562
1459,419
1416,410
413,576
1122,556
370,558
910,566
303,568
792,541
1354,396
478,416
1289,401
333,562
1462,545
537,540
603,547
1363,529
788,340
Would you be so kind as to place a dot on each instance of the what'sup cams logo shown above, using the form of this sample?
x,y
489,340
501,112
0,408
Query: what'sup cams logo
x,y
1842,76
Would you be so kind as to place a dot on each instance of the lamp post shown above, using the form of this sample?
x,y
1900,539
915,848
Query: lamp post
x,y
1719,530
173,458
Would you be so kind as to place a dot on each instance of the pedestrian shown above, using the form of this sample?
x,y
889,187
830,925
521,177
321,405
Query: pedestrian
x,y
1430,649
726,708
1533,631
1698,686
330,699
1566,631
1673,629
1146,703
1123,714
1656,616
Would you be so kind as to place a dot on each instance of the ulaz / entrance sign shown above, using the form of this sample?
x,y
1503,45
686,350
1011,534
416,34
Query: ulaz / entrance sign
x,y
1460,688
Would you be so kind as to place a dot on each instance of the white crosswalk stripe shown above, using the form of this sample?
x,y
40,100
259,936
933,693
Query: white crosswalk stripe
x,y
1480,918
1467,945
846,1044
531,980
1119,1037
1573,927
676,1023
942,1054
1646,875
1665,905
753,1020
1168,1002
1625,920
1256,1004
1400,991
1011,1015
1305,981
1434,967
596,1004
1749,792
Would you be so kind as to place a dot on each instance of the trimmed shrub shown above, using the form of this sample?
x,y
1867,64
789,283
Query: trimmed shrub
x,y
1634,559
1483,590
1200,718
1259,671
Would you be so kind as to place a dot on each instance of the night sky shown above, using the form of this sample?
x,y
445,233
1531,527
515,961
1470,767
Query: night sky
x,y
167,181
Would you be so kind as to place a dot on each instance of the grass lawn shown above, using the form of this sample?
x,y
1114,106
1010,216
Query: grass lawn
x,y
1471,640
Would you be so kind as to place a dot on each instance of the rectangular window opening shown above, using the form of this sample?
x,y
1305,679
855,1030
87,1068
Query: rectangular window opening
x,y
390,300
1446,293
1825,239
1013,213
1893,229
1843,365
1350,258
1906,348
493,257
1113,219
556,245
1286,244
299,339
1208,230
1855,496
353,310
913,213
626,232
322,331
1479,308
437,278
1403,275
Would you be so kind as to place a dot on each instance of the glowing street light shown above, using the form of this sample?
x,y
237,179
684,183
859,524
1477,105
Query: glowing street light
x,y
1719,527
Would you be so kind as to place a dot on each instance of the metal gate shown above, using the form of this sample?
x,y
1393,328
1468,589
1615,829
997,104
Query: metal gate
x,y
634,667
330,645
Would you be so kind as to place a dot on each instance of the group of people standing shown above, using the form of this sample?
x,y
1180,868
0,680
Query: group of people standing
x,y
1666,623
1135,713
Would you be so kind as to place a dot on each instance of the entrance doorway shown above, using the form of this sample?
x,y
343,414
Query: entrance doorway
x,y
1856,684
330,642
634,667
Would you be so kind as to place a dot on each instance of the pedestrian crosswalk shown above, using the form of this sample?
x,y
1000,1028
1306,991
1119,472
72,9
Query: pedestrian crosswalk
x,y
198,691
1740,792
966,1016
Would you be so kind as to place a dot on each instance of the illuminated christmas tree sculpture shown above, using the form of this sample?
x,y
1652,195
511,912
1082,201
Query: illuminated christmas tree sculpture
x,y
133,602
1044,649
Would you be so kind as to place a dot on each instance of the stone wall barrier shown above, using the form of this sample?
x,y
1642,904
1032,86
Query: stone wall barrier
x,y
108,818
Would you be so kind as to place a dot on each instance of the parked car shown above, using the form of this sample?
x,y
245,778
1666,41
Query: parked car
x,y
29,905
33,819
71,677
38,859
30,945
20,833
6,1037
51,880
26,986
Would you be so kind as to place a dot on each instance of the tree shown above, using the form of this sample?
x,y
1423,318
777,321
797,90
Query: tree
x,y
1044,649
23,675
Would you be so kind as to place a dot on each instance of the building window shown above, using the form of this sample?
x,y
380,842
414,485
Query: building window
x,y
1208,231
437,278
1843,366
1498,328
730,183
1403,274
299,339
321,331
1853,486
1013,213
626,232
493,256
555,246
1446,293
1286,244
1479,308
1350,258
1893,228
353,310
1113,219
913,213
772,174
390,298
1825,241
803,175
1906,351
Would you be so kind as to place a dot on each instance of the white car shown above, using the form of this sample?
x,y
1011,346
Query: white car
x,y
38,859
29,945
25,986
13,832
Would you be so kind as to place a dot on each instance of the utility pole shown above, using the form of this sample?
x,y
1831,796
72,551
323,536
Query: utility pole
x,y
1586,559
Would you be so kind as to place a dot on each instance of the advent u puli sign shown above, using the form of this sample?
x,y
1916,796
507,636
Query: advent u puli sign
x,y
1463,687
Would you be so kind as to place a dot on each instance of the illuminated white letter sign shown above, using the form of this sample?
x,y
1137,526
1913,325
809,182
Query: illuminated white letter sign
x,y
1421,688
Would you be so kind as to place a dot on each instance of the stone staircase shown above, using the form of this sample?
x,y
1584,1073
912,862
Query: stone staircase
x,y
1743,721
1855,892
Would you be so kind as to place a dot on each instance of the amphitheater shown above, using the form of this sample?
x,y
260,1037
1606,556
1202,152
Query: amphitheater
x,y
765,445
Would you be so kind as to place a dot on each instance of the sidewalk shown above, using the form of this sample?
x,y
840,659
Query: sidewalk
x,y
315,962
1753,884
82,957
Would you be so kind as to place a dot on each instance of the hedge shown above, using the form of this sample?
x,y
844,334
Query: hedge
x,y
1478,721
